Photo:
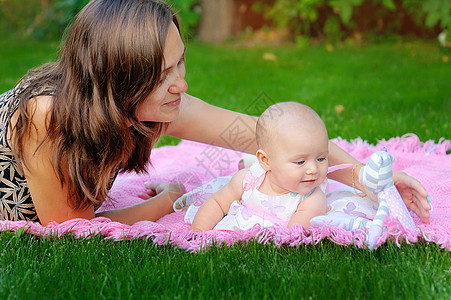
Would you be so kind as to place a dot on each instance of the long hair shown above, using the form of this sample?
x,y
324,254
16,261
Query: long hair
x,y
110,62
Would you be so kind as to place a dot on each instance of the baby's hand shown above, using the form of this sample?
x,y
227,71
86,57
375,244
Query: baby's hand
x,y
196,229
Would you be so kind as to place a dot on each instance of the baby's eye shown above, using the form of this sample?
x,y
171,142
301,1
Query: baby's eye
x,y
321,159
301,162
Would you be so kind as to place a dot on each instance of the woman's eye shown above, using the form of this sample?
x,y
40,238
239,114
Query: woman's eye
x,y
181,61
164,79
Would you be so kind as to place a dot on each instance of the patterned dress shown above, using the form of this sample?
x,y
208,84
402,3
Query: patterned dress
x,y
15,199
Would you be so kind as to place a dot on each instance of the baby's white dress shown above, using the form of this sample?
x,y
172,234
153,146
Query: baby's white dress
x,y
257,208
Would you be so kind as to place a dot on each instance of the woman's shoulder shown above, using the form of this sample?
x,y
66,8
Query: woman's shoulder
x,y
40,105
39,109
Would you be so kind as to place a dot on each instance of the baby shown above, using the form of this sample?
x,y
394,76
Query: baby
x,y
285,186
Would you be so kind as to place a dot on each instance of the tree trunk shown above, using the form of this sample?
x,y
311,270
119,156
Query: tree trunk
x,y
217,20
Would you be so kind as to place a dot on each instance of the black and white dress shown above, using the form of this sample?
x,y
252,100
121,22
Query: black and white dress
x,y
15,199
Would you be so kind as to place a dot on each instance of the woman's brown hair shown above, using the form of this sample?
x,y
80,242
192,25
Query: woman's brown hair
x,y
110,62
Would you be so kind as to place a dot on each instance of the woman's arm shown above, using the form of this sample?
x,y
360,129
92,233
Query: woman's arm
x,y
203,122
338,156
164,195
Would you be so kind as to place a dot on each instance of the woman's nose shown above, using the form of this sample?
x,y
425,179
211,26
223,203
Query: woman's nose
x,y
180,86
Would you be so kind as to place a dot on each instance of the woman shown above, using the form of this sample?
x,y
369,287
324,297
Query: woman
x,y
117,85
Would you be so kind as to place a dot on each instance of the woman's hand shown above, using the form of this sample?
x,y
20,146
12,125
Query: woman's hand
x,y
174,190
159,197
413,194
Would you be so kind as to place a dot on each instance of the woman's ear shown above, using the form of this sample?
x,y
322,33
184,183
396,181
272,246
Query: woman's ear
x,y
263,159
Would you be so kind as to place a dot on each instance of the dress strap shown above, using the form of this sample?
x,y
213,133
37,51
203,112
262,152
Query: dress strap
x,y
309,193
265,215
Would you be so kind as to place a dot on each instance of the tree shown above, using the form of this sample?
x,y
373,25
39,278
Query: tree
x,y
217,20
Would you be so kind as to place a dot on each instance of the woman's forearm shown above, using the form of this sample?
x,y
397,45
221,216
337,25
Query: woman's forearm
x,y
201,122
348,176
149,210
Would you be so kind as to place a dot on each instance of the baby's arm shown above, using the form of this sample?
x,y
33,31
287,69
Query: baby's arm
x,y
312,206
217,206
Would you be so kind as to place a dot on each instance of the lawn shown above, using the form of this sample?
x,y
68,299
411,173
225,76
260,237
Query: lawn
x,y
373,91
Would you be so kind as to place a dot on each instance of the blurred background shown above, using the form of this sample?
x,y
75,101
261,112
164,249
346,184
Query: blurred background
x,y
370,68
298,21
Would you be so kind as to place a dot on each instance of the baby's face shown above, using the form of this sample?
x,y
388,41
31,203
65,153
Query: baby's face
x,y
299,160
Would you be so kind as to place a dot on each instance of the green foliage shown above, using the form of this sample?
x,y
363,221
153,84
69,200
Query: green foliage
x,y
17,17
57,18
298,15
436,12
189,14
332,29
345,8
49,22
329,17
63,12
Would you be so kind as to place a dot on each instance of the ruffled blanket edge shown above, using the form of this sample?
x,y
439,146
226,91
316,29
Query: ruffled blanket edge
x,y
427,161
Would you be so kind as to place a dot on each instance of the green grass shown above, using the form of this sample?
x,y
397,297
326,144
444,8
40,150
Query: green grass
x,y
97,268
386,89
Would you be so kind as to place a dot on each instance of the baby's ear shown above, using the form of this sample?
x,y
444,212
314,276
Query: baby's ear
x,y
263,159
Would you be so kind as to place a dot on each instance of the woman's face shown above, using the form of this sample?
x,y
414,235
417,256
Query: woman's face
x,y
162,105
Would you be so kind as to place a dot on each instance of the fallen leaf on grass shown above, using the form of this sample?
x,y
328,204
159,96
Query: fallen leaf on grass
x,y
269,56
339,108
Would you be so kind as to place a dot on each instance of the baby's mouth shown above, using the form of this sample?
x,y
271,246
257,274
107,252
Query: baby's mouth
x,y
309,181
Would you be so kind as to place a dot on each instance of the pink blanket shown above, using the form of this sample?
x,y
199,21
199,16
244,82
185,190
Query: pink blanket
x,y
194,164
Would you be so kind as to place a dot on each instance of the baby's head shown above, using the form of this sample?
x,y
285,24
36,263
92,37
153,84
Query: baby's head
x,y
288,118
293,146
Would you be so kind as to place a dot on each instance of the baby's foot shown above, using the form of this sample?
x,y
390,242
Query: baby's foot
x,y
180,203
340,219
378,172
